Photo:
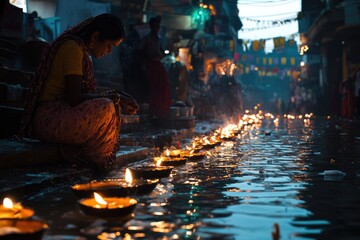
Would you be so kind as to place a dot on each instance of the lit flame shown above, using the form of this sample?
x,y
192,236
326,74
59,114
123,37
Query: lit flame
x,y
159,160
99,199
158,163
128,176
167,152
7,203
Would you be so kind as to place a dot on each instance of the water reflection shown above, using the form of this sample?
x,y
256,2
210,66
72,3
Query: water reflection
x,y
242,188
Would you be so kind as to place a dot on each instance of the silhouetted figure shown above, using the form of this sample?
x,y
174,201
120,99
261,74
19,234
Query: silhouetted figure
x,y
157,79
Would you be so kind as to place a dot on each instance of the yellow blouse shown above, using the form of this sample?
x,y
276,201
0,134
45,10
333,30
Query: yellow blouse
x,y
67,61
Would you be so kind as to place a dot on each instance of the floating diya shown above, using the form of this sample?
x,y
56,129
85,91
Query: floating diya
x,y
167,161
22,229
173,153
116,187
9,210
107,207
151,172
191,156
194,147
210,142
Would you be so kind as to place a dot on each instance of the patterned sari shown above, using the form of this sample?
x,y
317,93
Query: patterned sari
x,y
88,132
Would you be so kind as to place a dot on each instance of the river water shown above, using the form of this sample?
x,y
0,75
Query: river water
x,y
269,175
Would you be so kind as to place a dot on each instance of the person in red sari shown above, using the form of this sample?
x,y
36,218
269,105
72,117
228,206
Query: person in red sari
x,y
63,105
157,79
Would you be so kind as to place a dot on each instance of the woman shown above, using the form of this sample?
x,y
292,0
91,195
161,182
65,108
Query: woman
x,y
63,106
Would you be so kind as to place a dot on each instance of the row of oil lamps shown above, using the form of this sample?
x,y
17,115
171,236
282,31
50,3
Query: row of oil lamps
x,y
110,198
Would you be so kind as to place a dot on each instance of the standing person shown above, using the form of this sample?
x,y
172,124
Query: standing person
x,y
63,106
128,59
357,93
156,76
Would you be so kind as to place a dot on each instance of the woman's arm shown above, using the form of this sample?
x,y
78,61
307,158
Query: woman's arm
x,y
73,94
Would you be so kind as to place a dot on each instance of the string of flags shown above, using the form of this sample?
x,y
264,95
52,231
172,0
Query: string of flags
x,y
267,23
279,42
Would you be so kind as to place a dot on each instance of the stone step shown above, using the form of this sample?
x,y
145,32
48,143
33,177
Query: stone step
x,y
38,167
155,138
33,153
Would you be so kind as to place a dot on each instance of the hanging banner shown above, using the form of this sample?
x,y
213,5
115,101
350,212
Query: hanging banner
x,y
291,42
232,45
279,42
292,61
262,44
236,56
255,45
270,60
276,61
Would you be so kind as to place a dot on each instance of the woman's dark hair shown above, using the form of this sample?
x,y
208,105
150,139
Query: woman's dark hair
x,y
155,20
108,25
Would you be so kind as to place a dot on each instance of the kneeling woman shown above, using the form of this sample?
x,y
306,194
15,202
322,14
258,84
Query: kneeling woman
x,y
63,106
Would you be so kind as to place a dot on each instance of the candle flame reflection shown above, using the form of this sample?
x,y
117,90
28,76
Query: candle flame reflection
x,y
99,199
128,176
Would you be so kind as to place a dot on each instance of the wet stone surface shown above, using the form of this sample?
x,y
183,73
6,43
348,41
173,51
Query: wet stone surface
x,y
238,191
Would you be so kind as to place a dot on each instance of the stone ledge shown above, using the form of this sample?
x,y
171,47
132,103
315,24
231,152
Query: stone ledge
x,y
30,153
16,154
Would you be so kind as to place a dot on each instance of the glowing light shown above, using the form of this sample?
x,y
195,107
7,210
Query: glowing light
x,y
99,199
128,176
7,203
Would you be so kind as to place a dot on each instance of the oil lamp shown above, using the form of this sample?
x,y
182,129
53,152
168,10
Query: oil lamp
x,y
116,187
107,207
22,229
151,172
192,156
9,210
169,161
210,142
173,153
195,147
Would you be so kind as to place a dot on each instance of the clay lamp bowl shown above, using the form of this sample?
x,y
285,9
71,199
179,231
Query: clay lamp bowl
x,y
107,207
209,145
227,138
151,172
195,147
173,153
191,156
116,187
208,142
169,161
22,229
9,210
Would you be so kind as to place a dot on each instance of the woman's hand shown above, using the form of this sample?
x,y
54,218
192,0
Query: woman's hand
x,y
127,102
